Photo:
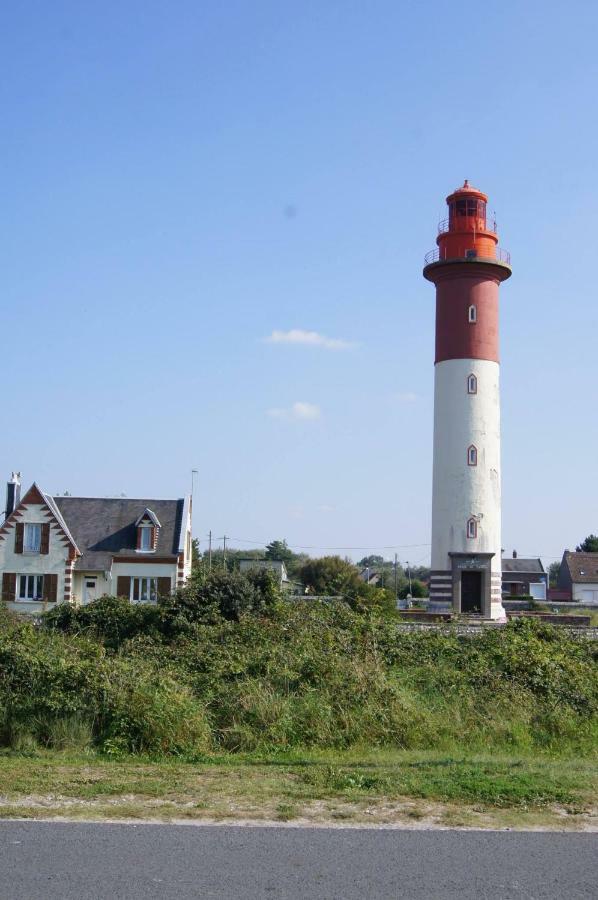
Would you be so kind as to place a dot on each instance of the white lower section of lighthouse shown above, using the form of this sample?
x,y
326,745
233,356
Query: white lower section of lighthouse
x,y
466,501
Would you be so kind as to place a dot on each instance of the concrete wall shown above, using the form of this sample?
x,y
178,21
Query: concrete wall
x,y
52,563
461,491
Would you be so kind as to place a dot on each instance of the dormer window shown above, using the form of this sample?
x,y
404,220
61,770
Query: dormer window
x,y
148,528
146,537
472,315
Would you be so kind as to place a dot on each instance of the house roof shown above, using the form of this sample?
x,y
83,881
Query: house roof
x,y
104,527
148,514
583,567
522,566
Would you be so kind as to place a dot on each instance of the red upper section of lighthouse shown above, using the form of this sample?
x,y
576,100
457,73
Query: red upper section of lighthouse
x,y
467,232
467,269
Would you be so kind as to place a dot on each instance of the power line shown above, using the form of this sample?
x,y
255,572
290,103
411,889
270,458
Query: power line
x,y
313,547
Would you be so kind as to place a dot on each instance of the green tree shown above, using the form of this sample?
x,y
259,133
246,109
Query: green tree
x,y
417,590
209,595
330,575
370,562
589,545
279,550
553,573
195,553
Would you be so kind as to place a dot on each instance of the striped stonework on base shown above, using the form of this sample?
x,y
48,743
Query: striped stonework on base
x,y
441,584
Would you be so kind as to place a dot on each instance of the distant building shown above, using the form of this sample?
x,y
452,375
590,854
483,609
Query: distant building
x,y
579,575
75,549
276,566
523,577
370,576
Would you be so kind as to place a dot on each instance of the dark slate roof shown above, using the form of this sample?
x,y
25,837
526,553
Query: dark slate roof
x,y
582,566
526,566
103,527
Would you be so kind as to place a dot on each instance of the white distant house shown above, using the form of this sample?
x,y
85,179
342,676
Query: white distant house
x,y
276,566
579,575
57,549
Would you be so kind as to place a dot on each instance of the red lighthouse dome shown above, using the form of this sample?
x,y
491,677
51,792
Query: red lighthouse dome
x,y
467,232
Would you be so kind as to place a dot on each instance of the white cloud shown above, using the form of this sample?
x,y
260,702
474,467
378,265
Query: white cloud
x,y
308,338
298,411
407,397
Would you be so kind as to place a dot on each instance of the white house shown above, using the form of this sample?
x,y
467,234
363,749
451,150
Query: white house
x,y
75,549
579,574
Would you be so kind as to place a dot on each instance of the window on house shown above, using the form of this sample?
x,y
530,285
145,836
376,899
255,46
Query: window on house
x,y
472,456
31,587
472,385
32,538
144,589
472,314
146,538
472,528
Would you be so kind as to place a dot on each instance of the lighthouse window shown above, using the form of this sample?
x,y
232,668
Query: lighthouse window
x,y
472,314
470,208
472,385
472,456
472,528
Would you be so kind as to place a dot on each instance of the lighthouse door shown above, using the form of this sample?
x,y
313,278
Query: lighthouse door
x,y
471,592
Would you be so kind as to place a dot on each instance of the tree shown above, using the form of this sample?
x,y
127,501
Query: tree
x,y
279,550
208,595
589,545
553,573
372,561
417,590
330,575
195,553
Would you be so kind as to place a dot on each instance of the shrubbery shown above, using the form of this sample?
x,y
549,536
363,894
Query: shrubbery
x,y
211,669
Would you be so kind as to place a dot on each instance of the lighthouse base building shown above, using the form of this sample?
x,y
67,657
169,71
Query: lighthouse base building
x,y
467,269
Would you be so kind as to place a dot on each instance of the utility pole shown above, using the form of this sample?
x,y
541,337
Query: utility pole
x,y
224,552
210,552
396,580
409,574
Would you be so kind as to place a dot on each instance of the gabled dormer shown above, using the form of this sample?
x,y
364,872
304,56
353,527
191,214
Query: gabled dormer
x,y
148,529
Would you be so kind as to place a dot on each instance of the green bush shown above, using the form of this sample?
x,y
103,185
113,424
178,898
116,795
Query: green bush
x,y
297,674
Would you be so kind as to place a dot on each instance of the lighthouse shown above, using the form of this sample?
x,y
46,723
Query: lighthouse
x,y
467,269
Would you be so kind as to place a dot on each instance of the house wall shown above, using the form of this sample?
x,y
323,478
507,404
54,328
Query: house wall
x,y
103,584
586,593
142,569
185,548
522,580
51,563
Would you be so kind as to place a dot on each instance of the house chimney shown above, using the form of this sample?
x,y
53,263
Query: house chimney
x,y
514,554
13,493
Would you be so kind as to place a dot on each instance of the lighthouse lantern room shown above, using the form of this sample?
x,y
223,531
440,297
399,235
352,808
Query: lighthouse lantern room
x,y
467,268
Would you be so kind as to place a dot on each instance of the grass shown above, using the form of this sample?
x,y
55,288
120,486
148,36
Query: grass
x,y
382,787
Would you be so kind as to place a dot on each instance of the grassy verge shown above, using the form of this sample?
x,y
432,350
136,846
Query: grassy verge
x,y
377,788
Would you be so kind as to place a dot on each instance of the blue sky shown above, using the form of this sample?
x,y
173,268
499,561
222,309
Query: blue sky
x,y
181,180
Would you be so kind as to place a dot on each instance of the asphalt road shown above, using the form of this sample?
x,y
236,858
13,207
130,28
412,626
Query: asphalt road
x,y
68,861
